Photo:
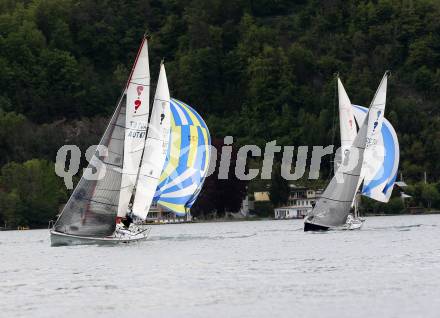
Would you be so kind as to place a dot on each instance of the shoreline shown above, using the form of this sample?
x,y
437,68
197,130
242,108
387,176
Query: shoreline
x,y
226,220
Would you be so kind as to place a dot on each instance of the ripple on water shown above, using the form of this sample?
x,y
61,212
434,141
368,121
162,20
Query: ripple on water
x,y
218,270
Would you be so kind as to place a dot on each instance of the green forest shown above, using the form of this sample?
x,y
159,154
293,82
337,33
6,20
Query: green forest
x,y
258,70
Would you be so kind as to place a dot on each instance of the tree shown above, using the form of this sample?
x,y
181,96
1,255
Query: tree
x,y
220,195
30,193
258,70
430,194
279,187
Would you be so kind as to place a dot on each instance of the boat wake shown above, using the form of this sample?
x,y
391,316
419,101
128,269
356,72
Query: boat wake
x,y
182,238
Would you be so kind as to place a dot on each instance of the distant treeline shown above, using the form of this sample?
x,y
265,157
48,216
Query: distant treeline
x,y
258,70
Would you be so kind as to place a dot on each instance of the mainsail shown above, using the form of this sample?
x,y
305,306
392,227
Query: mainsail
x,y
187,159
333,207
93,205
136,121
156,146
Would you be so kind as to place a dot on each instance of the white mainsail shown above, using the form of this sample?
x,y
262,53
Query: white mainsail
x,y
347,124
334,206
136,122
156,146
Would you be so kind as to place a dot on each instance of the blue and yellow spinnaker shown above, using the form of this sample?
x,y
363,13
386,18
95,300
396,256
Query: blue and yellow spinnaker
x,y
187,160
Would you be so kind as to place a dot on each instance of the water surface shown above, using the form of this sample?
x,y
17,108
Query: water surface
x,y
391,268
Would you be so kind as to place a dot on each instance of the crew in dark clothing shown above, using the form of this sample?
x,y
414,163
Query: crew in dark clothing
x,y
127,221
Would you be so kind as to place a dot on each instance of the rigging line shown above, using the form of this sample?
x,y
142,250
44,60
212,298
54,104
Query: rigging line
x,y
129,174
112,164
151,177
333,123
99,202
114,138
154,138
336,200
351,174
128,128
114,152
106,189
139,84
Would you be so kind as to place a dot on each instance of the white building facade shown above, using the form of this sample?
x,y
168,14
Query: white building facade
x,y
301,202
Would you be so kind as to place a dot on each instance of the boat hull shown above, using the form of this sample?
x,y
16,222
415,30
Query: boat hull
x,y
63,239
314,227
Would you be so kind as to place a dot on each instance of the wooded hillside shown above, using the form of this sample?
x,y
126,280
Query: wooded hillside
x,y
258,70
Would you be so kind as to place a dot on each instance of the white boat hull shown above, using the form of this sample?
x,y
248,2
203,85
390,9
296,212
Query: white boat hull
x,y
63,239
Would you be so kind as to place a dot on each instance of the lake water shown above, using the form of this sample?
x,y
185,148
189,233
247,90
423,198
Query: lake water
x,y
391,268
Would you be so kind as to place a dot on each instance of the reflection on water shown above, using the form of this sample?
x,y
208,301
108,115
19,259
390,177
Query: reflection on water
x,y
391,268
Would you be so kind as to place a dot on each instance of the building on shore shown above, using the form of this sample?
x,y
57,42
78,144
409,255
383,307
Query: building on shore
x,y
300,202
261,196
158,214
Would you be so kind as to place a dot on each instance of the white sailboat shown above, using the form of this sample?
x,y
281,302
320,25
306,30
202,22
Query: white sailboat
x,y
333,208
130,160
380,164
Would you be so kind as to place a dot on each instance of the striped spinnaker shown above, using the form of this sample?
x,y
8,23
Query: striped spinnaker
x,y
187,159
379,178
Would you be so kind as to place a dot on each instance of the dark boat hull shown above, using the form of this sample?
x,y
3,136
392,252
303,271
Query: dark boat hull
x,y
314,227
